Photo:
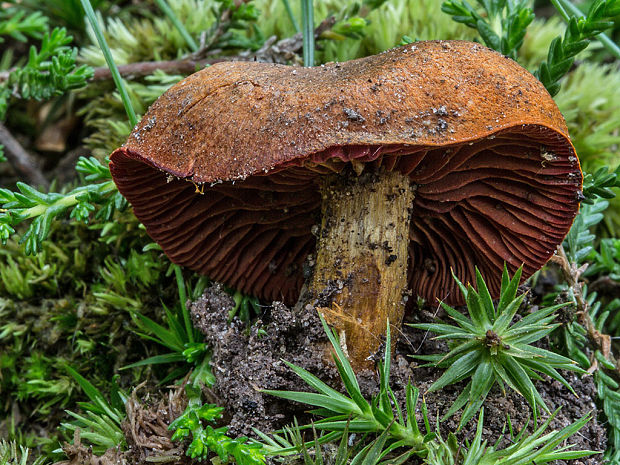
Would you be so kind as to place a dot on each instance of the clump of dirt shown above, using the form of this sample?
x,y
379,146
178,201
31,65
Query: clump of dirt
x,y
247,360
79,454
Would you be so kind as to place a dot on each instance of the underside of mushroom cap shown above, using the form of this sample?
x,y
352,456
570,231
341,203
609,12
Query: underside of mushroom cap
x,y
496,176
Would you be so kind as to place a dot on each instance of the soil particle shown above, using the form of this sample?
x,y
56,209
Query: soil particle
x,y
353,115
247,360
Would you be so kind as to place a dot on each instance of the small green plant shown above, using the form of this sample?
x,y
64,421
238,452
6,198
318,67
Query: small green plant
x,y
100,426
195,421
591,319
49,71
13,454
291,438
605,260
205,438
535,448
600,184
488,348
575,341
360,453
245,307
38,381
356,414
579,241
343,414
232,33
19,25
579,32
609,395
42,209
179,337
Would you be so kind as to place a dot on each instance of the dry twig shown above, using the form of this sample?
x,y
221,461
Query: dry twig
x,y
281,51
24,163
571,274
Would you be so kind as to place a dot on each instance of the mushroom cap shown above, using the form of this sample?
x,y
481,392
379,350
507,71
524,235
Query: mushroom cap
x,y
497,178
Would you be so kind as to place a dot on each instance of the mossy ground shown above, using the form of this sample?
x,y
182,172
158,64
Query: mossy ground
x,y
75,302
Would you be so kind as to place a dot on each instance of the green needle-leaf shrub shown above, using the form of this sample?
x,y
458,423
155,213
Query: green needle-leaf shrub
x,y
20,25
489,347
503,26
49,71
579,32
42,208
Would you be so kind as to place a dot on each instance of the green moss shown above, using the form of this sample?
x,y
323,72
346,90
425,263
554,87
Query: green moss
x,y
590,102
150,37
69,305
421,19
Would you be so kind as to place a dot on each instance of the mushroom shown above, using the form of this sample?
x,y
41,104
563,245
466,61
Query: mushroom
x,y
391,171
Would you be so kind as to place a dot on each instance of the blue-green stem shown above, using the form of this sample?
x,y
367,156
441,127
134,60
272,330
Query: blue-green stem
x,y
291,16
165,8
189,329
563,5
116,75
307,19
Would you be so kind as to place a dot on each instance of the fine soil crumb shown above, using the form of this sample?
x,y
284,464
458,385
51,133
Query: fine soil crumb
x,y
246,360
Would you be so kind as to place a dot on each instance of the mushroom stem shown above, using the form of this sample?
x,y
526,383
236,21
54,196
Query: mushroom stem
x,y
360,276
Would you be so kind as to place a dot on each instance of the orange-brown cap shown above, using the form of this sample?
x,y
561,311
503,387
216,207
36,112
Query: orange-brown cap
x,y
497,178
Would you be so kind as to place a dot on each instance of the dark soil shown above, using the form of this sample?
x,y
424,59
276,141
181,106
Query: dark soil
x,y
247,360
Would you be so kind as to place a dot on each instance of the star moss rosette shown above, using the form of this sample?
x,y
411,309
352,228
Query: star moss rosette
x,y
489,345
